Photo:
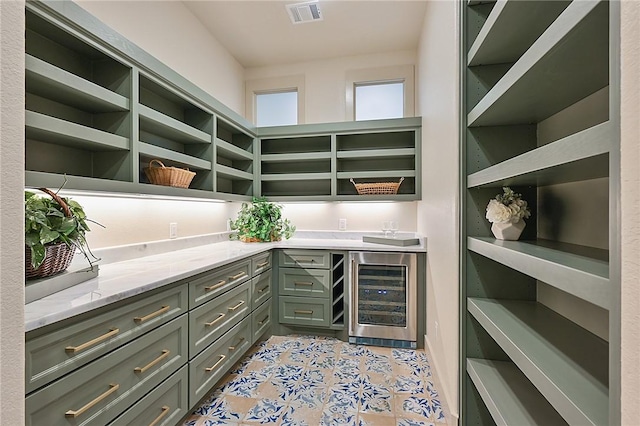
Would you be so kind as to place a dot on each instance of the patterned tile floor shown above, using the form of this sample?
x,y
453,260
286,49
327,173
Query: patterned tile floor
x,y
309,381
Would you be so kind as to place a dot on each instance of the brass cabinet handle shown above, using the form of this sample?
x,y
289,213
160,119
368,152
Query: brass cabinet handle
x,y
160,311
238,275
112,332
165,411
263,320
304,283
299,311
233,308
75,413
260,265
209,324
213,367
233,348
165,353
216,285
262,290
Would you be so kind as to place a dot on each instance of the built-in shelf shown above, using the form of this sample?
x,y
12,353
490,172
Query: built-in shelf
x,y
232,152
376,153
231,173
509,396
296,176
567,364
156,122
571,41
301,156
153,151
578,270
377,174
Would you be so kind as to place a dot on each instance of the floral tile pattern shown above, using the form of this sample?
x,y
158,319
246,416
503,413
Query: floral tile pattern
x,y
310,381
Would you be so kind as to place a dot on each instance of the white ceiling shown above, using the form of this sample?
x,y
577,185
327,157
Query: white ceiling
x,y
259,33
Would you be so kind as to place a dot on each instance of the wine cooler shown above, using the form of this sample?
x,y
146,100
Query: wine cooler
x,y
383,299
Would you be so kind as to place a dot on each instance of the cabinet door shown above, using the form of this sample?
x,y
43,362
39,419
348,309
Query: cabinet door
x,y
98,392
261,320
211,284
304,311
59,352
260,289
304,282
304,259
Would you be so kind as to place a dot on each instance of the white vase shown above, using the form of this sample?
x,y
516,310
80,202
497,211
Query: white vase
x,y
508,231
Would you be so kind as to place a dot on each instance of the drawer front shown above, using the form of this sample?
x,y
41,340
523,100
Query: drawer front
x,y
304,282
215,361
213,319
304,311
54,354
305,259
163,406
260,289
260,263
214,283
98,392
261,321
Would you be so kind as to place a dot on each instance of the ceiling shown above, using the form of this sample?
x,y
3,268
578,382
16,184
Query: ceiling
x,y
260,33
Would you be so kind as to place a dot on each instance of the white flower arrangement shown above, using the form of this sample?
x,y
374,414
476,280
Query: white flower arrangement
x,y
507,207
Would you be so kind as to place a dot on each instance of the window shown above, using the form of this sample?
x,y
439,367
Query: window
x,y
276,109
379,100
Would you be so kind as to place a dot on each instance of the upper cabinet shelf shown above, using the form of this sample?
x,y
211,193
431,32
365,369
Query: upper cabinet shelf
x,y
554,66
234,153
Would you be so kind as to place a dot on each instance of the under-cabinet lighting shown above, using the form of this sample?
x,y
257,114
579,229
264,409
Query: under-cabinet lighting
x,y
103,194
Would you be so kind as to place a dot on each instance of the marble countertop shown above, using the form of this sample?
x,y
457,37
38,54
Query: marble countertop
x,y
139,273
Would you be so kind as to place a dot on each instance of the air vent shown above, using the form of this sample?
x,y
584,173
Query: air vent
x,y
304,12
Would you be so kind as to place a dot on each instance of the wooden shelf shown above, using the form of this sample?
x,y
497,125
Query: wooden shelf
x,y
376,153
295,176
302,156
233,174
232,152
50,129
158,123
509,396
376,174
524,21
580,156
153,151
584,275
566,363
573,47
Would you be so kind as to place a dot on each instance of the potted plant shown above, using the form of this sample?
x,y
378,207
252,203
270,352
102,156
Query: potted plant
x,y
261,221
54,228
507,212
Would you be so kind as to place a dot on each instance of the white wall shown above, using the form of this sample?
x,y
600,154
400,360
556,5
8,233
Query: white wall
x,y
438,215
325,80
630,205
11,216
171,33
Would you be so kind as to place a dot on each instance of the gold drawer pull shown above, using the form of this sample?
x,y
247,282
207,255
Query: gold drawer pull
x,y
112,332
165,353
300,311
238,275
209,324
165,411
160,311
263,320
233,308
112,388
263,264
263,289
216,285
233,348
222,358
304,283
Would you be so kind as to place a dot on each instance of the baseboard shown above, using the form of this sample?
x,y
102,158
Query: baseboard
x,y
451,410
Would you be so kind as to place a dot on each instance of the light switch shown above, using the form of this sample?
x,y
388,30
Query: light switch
x,y
342,224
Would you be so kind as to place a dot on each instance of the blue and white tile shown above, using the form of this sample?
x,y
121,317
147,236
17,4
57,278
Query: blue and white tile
x,y
265,411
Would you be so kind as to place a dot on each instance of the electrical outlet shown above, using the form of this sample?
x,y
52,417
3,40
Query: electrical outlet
x,y
436,329
342,224
173,230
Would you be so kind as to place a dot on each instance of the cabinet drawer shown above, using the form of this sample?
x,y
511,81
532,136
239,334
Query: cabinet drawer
x,y
260,320
163,406
211,284
58,352
305,259
304,282
260,289
211,320
98,392
304,311
260,263
215,361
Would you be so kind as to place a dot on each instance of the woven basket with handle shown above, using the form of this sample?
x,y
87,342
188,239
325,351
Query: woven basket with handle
x,y
58,257
377,187
159,174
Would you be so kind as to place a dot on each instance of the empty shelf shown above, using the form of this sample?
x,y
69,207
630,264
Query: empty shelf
x,y
155,122
233,152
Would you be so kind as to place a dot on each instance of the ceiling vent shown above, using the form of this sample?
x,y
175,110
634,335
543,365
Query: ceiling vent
x,y
304,12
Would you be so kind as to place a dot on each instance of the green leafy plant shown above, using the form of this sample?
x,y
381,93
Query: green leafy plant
x,y
45,223
261,221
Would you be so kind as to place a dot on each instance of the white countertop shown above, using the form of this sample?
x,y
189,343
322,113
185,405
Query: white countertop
x,y
122,279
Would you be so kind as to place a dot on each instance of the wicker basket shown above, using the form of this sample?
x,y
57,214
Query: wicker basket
x,y
168,176
377,187
57,257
